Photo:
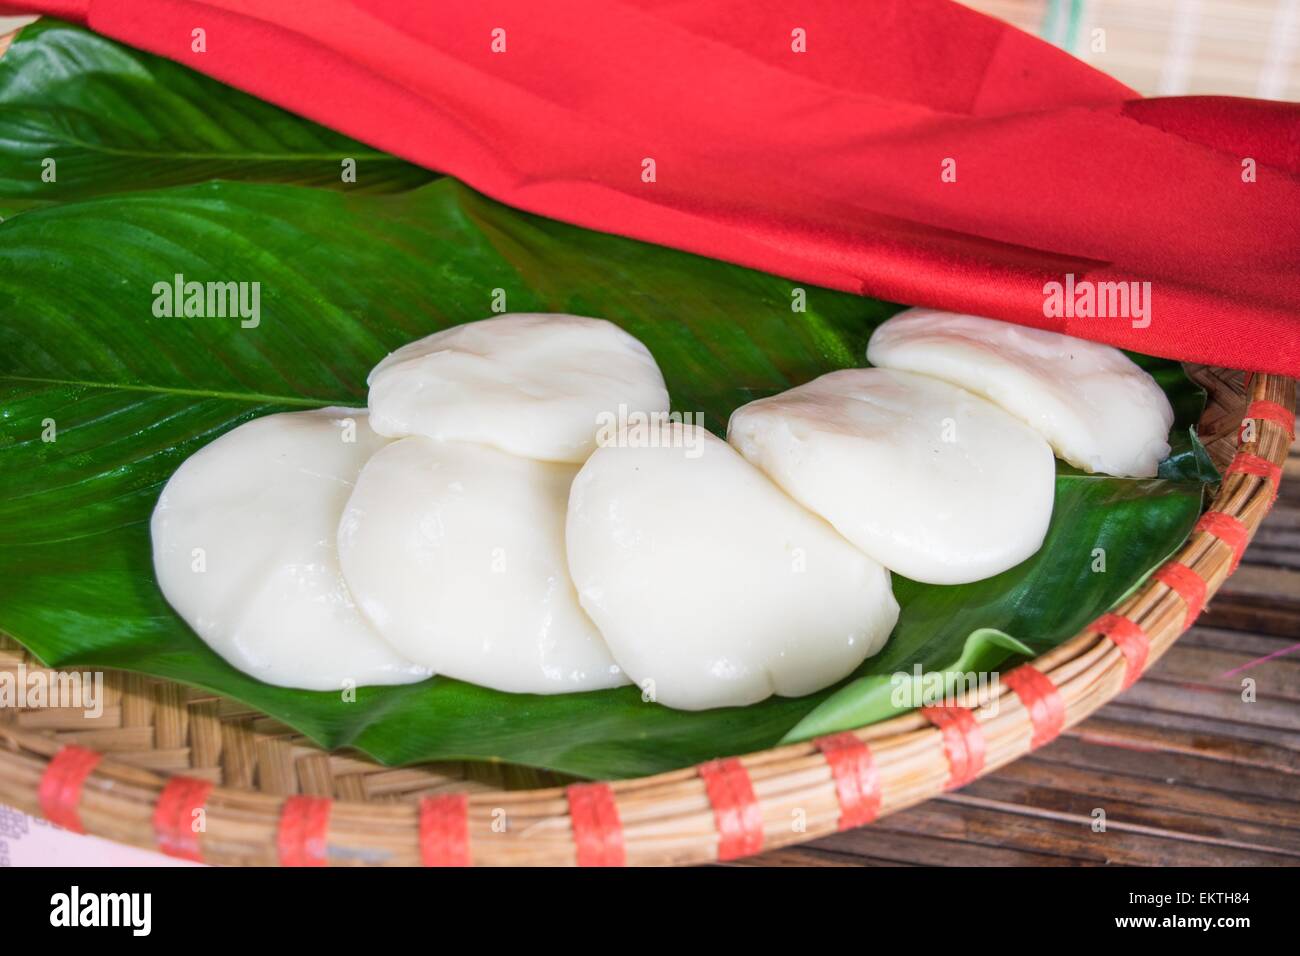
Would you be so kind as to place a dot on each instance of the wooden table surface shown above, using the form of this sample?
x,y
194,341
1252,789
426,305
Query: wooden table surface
x,y
1185,770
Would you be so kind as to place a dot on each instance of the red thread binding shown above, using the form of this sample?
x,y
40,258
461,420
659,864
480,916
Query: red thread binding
x,y
1247,464
1043,701
735,809
59,792
1272,412
857,782
444,830
1133,642
1188,585
173,817
597,829
304,823
1227,529
963,742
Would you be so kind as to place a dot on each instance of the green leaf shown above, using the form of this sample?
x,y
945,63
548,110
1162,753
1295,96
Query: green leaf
x,y
1188,460
114,119
344,279
877,697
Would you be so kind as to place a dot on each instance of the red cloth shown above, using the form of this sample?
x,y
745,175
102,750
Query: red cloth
x,y
823,166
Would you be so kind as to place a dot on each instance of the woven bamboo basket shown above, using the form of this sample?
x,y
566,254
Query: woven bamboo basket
x,y
167,767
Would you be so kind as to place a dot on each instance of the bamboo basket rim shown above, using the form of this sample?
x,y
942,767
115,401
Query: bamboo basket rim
x,y
312,808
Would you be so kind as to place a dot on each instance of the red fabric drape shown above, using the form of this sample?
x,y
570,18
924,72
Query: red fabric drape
x,y
826,165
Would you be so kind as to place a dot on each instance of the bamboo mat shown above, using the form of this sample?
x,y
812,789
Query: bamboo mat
x,y
1173,47
1185,771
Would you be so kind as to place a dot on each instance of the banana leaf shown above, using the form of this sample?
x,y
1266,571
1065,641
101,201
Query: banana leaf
x,y
126,395
81,115
879,696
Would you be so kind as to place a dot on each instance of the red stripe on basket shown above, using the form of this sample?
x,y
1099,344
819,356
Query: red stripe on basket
x,y
597,829
1043,701
304,823
173,817
1228,530
1273,412
857,782
1188,585
59,792
963,742
444,830
735,808
1247,464
1133,642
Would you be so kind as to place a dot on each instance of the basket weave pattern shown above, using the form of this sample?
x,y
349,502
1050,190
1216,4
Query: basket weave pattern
x,y
268,796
